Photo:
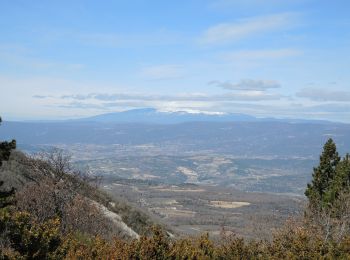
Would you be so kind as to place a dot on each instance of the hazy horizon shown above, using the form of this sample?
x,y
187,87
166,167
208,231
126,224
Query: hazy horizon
x,y
189,116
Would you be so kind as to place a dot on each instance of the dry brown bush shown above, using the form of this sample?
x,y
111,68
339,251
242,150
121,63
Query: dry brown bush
x,y
46,200
333,223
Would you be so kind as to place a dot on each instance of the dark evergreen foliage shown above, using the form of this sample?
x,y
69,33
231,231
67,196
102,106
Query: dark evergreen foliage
x,y
5,149
6,196
341,182
329,192
323,176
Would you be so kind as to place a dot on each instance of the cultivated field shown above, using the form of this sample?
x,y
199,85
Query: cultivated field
x,y
192,209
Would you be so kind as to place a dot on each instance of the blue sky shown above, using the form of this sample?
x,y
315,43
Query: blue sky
x,y
279,58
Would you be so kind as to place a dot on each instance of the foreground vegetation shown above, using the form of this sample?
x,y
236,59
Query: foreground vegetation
x,y
30,240
55,216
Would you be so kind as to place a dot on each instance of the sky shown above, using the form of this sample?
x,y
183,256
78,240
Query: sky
x,y
267,58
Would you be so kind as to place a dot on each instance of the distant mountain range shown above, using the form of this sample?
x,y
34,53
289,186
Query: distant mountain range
x,y
253,138
151,115
235,134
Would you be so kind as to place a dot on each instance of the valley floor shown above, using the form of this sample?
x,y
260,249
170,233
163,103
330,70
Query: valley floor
x,y
189,209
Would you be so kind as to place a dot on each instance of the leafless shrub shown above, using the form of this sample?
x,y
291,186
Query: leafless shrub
x,y
85,217
58,190
333,222
58,160
57,164
46,200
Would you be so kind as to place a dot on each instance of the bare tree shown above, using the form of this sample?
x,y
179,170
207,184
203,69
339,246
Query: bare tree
x,y
60,190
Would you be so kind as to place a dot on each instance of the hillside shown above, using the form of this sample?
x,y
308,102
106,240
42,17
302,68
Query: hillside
x,y
51,179
30,230
49,210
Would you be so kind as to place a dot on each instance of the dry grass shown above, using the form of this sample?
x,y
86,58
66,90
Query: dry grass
x,y
228,204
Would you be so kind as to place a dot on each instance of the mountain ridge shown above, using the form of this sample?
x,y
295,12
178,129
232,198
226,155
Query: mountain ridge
x,y
152,115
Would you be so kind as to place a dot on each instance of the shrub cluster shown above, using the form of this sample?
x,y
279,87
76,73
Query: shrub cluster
x,y
23,238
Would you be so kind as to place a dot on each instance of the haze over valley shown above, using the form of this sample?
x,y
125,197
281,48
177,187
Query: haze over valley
x,y
193,169
238,151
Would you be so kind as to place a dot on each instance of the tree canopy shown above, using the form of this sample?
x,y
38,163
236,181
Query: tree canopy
x,y
5,149
330,179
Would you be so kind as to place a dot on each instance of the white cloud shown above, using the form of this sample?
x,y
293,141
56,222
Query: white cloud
x,y
277,109
22,58
159,72
226,4
322,94
248,85
116,40
251,95
231,32
261,54
333,112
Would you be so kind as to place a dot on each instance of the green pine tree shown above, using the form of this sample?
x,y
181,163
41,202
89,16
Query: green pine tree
x,y
6,197
341,183
5,149
317,191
